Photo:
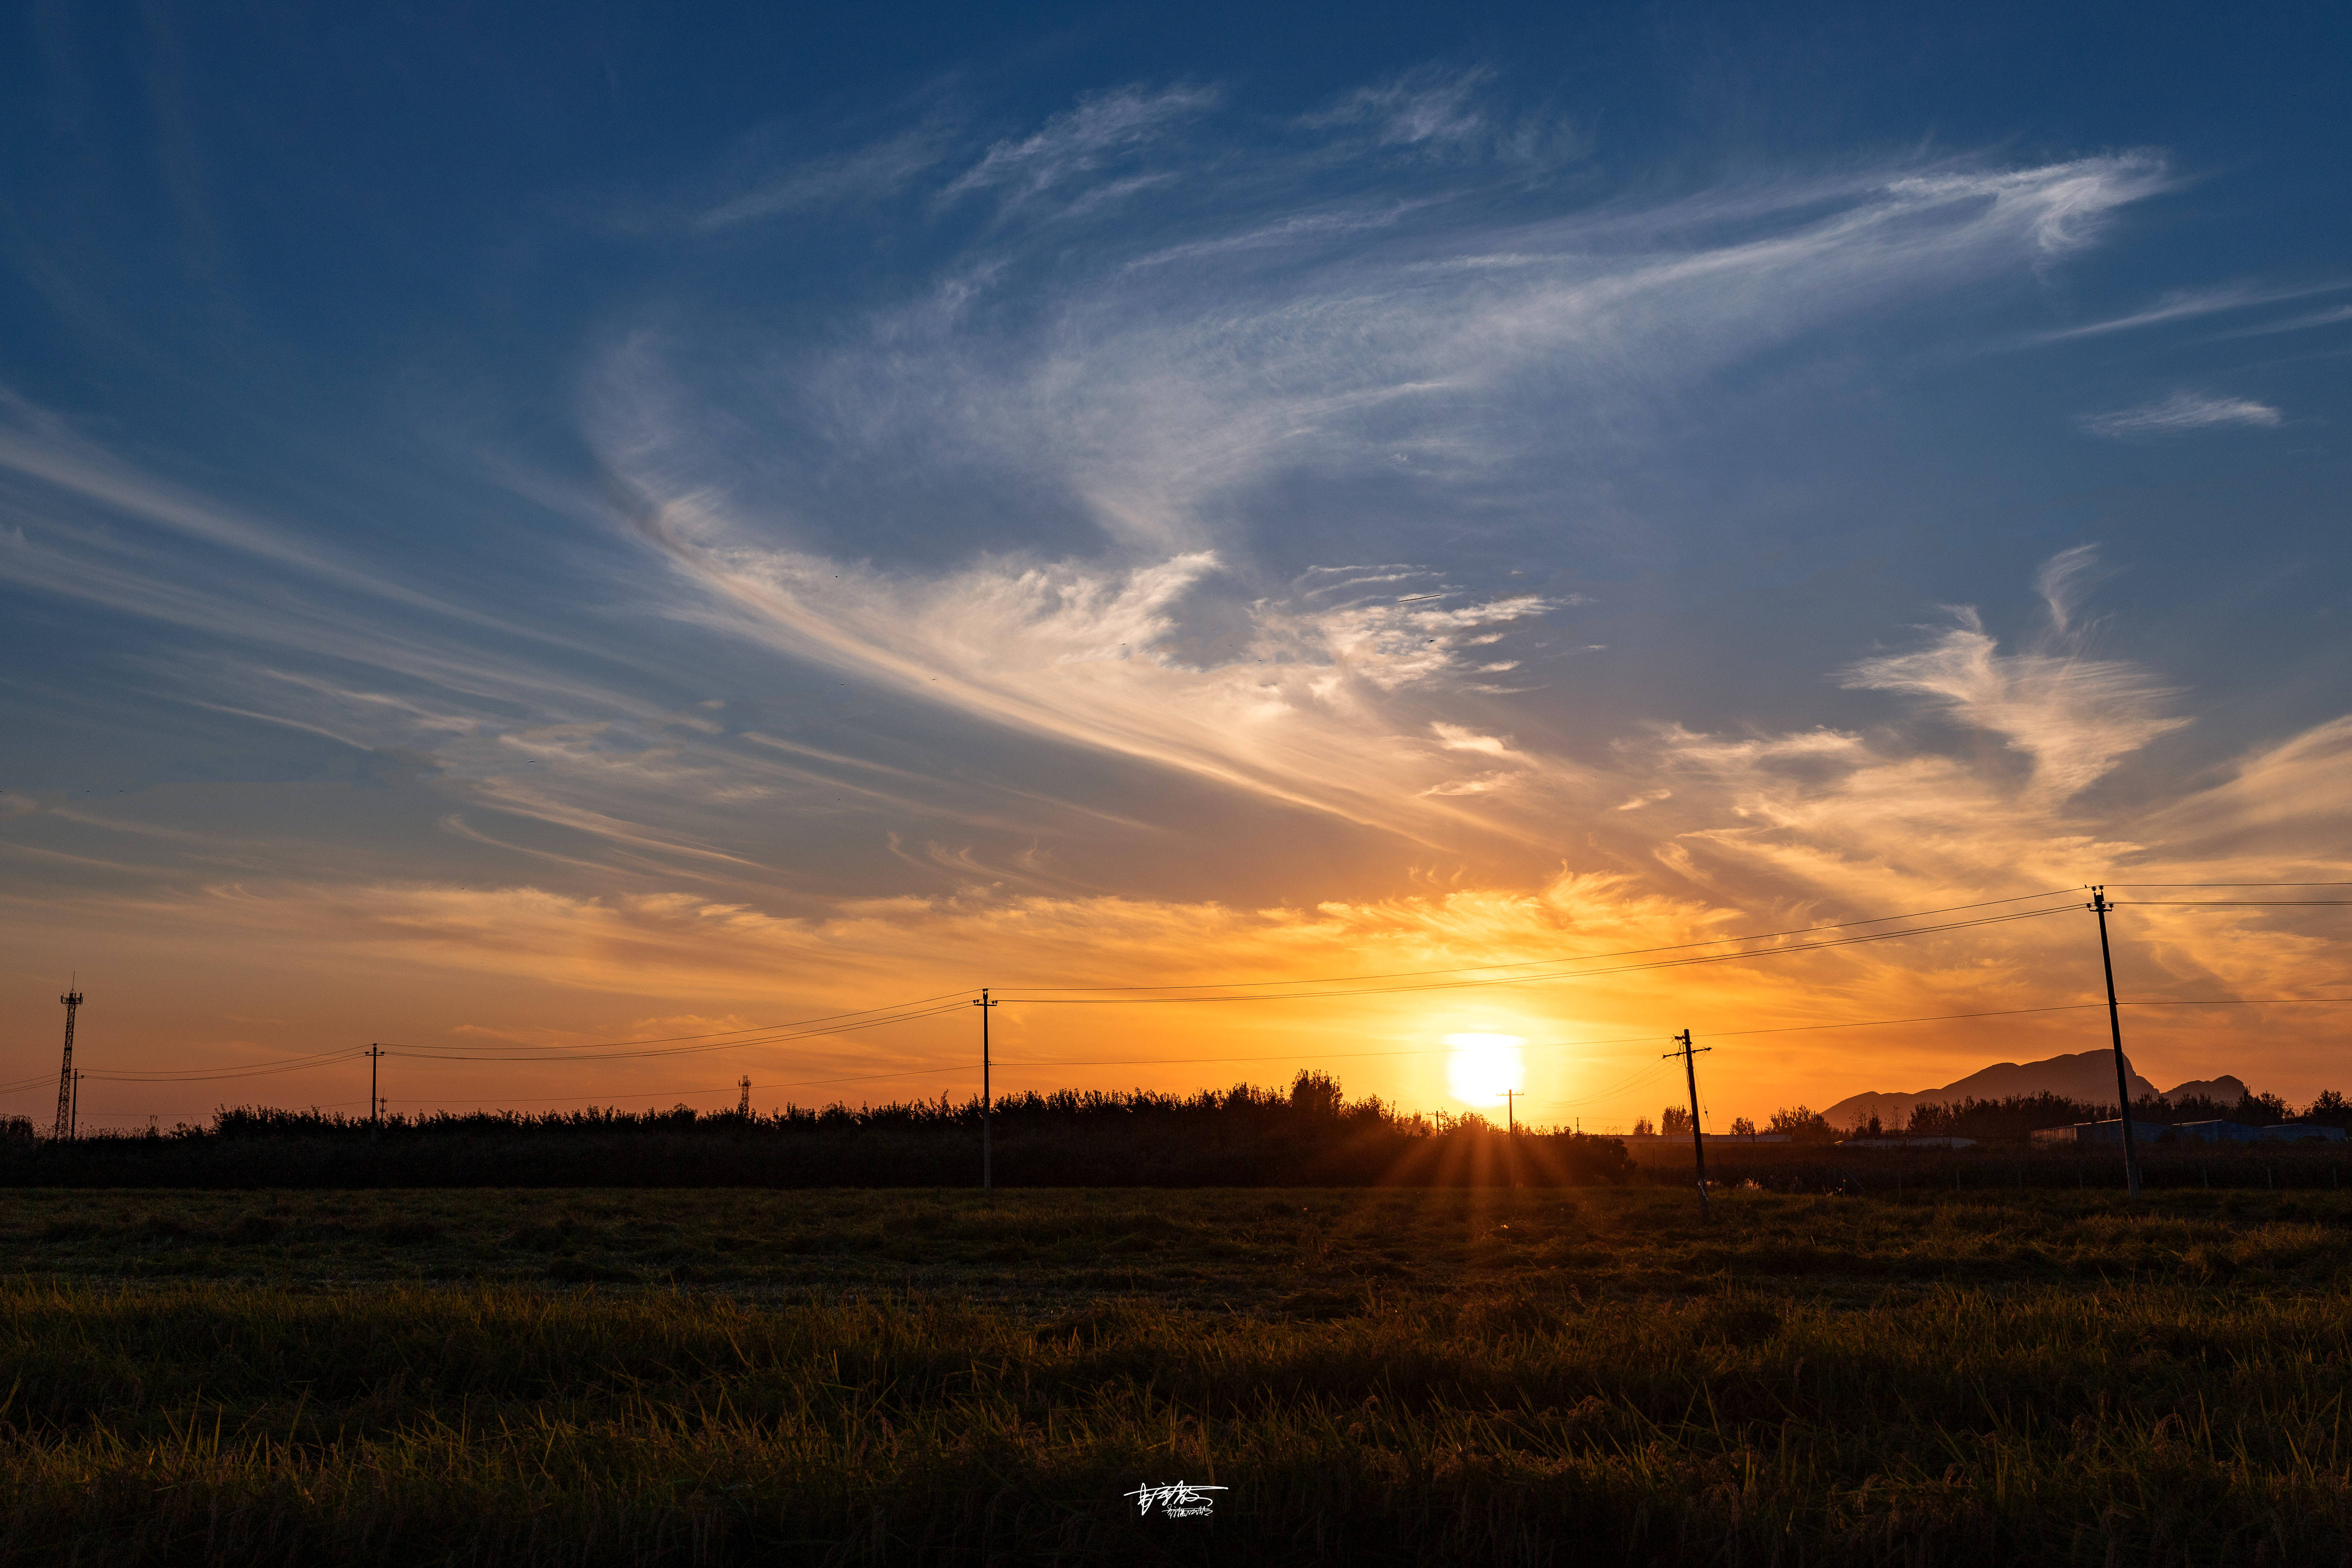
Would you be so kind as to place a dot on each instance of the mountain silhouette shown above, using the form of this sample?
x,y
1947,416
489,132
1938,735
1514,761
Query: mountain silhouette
x,y
2088,1076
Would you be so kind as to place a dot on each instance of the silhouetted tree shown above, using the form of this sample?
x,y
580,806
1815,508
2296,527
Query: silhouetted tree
x,y
1315,1094
1802,1125
2013,1117
2261,1110
1243,1136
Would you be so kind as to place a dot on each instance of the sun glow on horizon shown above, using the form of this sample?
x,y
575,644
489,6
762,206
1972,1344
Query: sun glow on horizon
x,y
1482,1066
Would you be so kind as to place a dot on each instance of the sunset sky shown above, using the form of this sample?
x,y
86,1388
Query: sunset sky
x,y
526,530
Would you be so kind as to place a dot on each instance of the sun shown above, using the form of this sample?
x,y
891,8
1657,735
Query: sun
x,y
1482,1066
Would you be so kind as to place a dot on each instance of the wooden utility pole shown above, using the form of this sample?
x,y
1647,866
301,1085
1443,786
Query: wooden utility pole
x,y
1511,1132
376,1103
1698,1144
2100,906
987,1173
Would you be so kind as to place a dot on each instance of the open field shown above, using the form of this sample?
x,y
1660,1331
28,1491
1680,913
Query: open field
x,y
1248,1249
1996,1164
1547,1375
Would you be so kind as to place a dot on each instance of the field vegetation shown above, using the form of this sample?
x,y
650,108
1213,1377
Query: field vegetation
x,y
1544,1375
1244,1136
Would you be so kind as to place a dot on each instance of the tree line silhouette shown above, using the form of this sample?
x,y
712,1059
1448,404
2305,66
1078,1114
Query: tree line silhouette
x,y
1310,1135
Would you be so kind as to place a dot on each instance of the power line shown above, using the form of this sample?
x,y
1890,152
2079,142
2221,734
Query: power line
x,y
423,1053
1542,979
260,1069
1578,958
330,1058
754,1030
308,1064
1623,1087
1613,1040
2138,886
918,1009
2017,1012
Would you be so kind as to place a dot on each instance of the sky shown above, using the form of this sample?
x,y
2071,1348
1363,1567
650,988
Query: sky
x,y
563,540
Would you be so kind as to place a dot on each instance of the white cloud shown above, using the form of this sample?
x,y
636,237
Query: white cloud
x,y
1292,708
2328,317
1483,784
2181,412
2063,581
2073,715
2190,304
861,175
1457,738
1427,104
1082,140
1174,407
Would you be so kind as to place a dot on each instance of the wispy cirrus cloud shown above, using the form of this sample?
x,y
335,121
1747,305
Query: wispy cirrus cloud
x,y
864,174
1169,411
2182,413
1082,141
2072,715
2309,322
1132,568
2189,304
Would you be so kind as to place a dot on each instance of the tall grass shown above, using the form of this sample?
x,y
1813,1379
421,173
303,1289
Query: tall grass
x,y
406,1426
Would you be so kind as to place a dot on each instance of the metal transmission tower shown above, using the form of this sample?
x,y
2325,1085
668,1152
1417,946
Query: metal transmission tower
x,y
743,1106
64,1128
2099,906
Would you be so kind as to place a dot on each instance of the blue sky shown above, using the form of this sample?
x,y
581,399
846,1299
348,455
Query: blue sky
x,y
541,526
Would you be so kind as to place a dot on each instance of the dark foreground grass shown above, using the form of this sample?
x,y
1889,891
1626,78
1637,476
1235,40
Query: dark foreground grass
x,y
1542,1377
1281,1252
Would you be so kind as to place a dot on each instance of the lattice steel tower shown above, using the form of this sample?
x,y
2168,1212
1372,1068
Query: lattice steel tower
x,y
72,999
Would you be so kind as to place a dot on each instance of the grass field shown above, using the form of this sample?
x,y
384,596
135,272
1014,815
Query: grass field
x,y
1539,1376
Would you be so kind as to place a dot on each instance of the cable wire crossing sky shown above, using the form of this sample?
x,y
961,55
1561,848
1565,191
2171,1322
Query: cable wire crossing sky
x,y
606,551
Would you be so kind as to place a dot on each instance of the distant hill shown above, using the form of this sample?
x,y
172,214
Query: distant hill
x,y
2227,1090
2086,1076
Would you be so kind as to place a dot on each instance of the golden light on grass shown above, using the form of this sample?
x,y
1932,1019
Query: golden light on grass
x,y
1482,1066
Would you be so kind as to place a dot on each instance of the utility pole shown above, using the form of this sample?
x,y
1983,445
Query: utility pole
x,y
743,1106
2100,906
65,1127
1698,1144
1511,1132
375,1101
987,1173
